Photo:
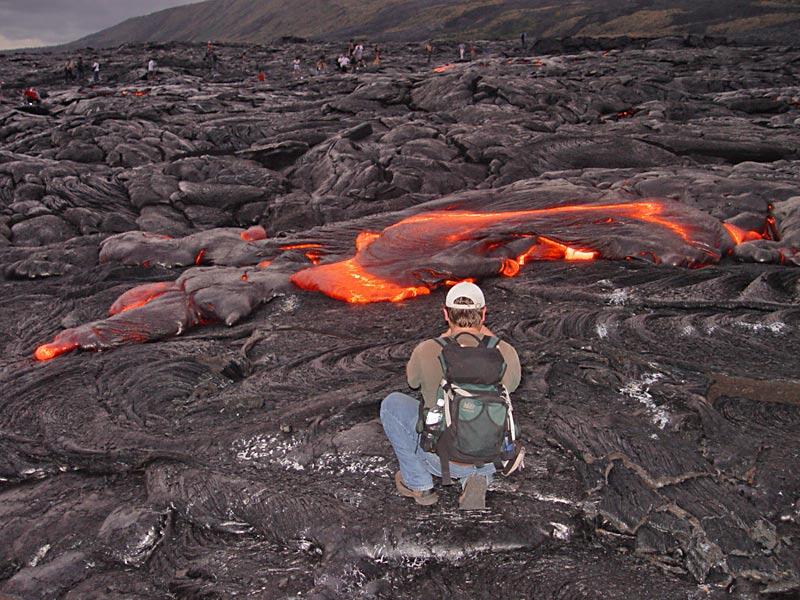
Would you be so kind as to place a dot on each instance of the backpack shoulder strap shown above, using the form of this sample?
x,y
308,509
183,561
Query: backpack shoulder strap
x,y
443,341
490,341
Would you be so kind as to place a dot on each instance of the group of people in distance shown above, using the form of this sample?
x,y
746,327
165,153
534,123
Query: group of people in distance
x,y
75,70
351,60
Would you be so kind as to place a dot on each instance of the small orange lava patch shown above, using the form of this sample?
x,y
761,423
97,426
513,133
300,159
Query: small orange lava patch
x,y
254,233
50,351
139,296
300,246
739,235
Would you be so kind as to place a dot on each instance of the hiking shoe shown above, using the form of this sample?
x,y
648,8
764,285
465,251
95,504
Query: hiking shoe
x,y
516,462
474,495
424,497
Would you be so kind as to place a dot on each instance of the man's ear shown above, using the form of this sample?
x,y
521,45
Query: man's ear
x,y
446,317
483,315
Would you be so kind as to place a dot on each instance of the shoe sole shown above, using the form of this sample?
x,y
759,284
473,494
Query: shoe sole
x,y
474,495
409,493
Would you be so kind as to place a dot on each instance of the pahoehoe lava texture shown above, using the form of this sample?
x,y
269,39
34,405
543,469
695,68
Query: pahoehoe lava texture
x,y
633,215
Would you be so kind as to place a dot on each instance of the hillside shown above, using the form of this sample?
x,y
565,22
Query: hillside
x,y
254,21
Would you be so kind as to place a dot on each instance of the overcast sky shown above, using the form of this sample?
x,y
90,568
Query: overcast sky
x,y
25,23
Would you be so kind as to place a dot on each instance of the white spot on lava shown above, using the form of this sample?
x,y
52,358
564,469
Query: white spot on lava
x,y
639,389
618,297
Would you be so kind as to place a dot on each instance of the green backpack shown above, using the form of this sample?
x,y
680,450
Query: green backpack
x,y
478,423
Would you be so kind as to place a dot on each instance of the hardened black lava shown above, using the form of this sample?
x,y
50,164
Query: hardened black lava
x,y
644,264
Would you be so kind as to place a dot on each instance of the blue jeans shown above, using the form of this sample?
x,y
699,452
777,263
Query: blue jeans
x,y
399,414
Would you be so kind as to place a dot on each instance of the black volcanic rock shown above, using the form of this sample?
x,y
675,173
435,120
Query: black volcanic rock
x,y
239,452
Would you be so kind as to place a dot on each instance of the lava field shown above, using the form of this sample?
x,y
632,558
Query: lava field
x,y
211,279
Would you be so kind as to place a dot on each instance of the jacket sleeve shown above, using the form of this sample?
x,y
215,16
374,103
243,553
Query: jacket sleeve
x,y
513,373
414,370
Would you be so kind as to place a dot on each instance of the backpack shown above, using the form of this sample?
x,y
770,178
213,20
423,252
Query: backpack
x,y
478,423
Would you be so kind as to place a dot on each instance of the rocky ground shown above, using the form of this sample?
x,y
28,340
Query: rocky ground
x,y
239,453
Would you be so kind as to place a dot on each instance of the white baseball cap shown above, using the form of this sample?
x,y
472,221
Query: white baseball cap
x,y
465,289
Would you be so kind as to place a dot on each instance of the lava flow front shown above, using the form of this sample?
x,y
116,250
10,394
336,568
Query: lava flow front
x,y
420,252
407,259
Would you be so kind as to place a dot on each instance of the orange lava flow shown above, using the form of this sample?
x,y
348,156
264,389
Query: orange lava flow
x,y
545,249
364,239
356,280
198,260
443,68
254,233
300,246
739,235
50,351
139,296
467,222
351,283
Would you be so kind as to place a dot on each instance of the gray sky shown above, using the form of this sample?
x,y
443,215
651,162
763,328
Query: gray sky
x,y
46,22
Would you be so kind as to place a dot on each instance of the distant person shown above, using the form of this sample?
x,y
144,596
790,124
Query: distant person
x,y
358,56
523,40
262,76
151,68
211,59
429,50
351,47
96,71
31,97
377,56
296,68
344,63
473,52
322,64
462,51
69,71
81,69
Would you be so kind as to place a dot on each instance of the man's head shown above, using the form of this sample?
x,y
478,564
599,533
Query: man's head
x,y
465,306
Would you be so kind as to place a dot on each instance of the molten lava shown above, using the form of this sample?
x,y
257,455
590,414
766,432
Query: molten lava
x,y
739,235
254,233
415,255
402,261
139,296
50,351
300,246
